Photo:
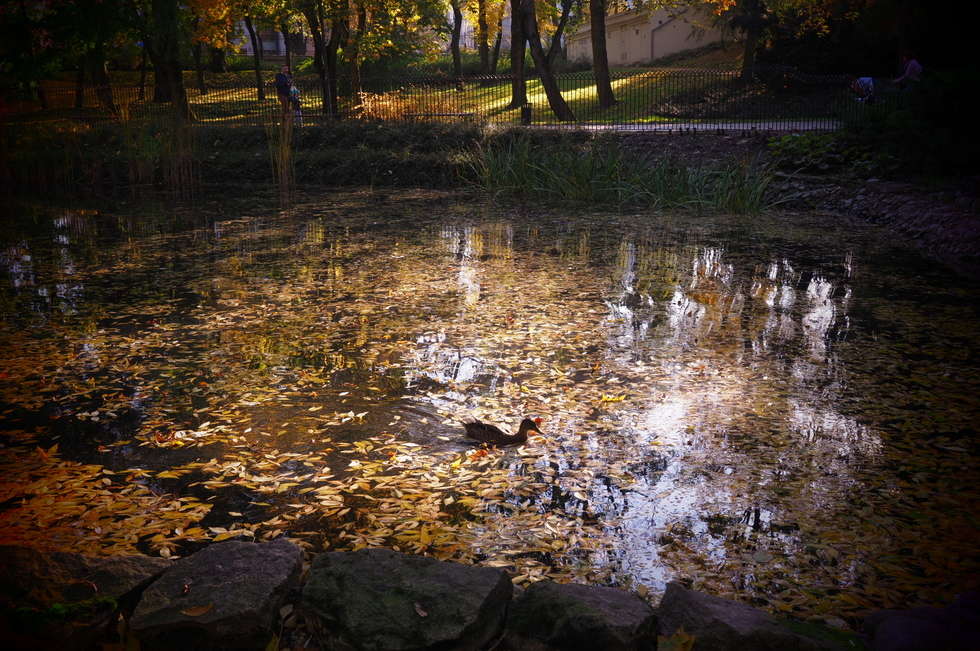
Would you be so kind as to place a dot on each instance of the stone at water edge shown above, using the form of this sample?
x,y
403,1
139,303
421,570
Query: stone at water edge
x,y
93,588
719,624
551,616
953,628
225,596
387,601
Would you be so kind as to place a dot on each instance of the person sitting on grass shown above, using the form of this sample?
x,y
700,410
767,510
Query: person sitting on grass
x,y
865,88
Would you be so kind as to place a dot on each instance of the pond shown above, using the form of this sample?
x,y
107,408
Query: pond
x,y
780,408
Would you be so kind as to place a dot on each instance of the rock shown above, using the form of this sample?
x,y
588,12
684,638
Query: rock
x,y
550,616
64,599
721,625
225,596
383,600
954,628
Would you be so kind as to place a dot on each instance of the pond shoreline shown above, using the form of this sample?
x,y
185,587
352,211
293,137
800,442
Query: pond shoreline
x,y
939,217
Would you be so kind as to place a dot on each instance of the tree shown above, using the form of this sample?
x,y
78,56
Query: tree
x,y
210,24
600,59
162,41
482,37
556,38
518,45
750,17
256,55
316,14
529,20
455,30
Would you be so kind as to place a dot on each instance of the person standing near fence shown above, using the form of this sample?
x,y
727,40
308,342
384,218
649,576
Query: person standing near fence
x,y
283,83
296,104
911,71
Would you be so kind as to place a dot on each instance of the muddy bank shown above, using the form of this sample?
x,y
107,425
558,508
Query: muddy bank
x,y
939,217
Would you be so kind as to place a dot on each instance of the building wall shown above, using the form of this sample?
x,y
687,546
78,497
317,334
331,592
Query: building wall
x,y
638,37
272,43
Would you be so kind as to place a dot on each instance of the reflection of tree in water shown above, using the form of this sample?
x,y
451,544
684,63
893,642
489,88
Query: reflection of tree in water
x,y
745,419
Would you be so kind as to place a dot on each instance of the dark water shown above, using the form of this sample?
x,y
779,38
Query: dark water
x,y
773,407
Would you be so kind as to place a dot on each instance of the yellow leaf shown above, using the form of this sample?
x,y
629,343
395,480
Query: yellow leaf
x,y
197,611
226,535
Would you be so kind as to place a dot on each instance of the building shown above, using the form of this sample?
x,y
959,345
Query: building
x,y
273,43
641,35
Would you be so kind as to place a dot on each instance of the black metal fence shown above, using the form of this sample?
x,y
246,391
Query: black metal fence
x,y
777,99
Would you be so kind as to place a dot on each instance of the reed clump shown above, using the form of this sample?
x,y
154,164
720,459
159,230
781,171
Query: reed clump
x,y
603,172
280,141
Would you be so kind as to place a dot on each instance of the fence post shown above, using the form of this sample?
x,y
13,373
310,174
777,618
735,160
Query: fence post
x,y
526,112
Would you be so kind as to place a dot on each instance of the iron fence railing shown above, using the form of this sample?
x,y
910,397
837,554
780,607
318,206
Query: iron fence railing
x,y
665,98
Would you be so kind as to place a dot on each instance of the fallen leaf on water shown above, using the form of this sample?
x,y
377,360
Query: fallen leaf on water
x,y
197,611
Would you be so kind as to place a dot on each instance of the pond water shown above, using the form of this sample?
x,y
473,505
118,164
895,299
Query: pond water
x,y
777,408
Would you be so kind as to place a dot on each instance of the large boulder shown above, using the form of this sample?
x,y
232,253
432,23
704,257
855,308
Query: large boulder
x,y
225,596
953,628
719,624
377,599
551,616
66,600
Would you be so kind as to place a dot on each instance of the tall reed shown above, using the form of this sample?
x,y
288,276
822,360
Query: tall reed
x,y
280,139
177,159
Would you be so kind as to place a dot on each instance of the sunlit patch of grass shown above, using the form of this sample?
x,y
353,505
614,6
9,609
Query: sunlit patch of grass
x,y
637,91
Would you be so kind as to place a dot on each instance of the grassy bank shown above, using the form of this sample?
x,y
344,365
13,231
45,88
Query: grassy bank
x,y
522,164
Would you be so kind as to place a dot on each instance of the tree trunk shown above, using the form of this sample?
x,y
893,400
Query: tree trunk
x,y
256,57
555,47
495,54
198,51
354,47
518,82
285,43
217,61
529,20
142,88
600,58
457,28
752,22
163,50
315,21
482,37
80,85
100,79
337,34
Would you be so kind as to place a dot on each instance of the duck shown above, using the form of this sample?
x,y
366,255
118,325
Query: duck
x,y
492,435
